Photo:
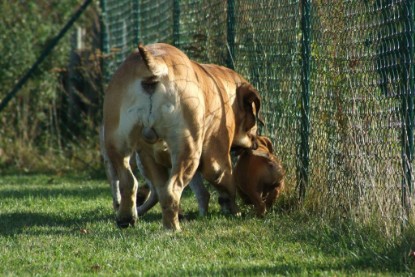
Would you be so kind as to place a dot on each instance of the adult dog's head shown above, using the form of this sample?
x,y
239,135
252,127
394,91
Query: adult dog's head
x,y
248,103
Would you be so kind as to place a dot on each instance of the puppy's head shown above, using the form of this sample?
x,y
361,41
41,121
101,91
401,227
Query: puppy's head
x,y
247,116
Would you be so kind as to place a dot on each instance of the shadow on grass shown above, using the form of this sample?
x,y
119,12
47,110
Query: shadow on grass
x,y
361,248
298,269
23,222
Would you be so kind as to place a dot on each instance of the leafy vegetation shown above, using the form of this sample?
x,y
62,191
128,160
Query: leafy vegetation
x,y
38,126
64,225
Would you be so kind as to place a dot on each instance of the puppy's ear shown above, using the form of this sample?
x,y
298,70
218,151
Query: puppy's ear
x,y
153,66
247,97
268,144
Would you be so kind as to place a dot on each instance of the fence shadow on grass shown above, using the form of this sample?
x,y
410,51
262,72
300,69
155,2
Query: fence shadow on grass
x,y
358,245
281,268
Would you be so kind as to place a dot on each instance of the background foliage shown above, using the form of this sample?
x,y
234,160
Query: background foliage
x,y
57,110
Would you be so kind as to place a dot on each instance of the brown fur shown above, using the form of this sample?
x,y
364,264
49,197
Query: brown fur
x,y
259,176
179,116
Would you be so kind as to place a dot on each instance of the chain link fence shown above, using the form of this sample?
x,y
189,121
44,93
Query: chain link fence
x,y
336,78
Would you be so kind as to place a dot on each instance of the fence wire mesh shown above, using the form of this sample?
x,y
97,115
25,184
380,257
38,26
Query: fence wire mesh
x,y
337,82
336,79
358,90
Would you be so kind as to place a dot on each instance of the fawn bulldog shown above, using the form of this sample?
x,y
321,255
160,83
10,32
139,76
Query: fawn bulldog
x,y
179,116
146,194
259,176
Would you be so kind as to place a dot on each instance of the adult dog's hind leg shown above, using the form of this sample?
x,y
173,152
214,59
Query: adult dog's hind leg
x,y
184,164
127,213
110,172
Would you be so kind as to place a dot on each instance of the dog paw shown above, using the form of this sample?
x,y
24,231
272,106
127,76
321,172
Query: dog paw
x,y
260,213
125,223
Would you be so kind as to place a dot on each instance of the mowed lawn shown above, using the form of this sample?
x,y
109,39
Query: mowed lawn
x,y
64,226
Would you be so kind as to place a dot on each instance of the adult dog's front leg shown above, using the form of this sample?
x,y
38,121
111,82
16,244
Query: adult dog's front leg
x,y
217,169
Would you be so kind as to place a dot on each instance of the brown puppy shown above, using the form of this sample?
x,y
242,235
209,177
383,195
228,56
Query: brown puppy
x,y
259,176
179,116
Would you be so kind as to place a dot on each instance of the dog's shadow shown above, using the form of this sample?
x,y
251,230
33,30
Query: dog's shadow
x,y
33,222
156,216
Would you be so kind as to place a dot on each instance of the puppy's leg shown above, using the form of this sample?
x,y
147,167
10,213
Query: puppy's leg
x,y
259,204
243,195
155,175
271,197
152,199
273,194
254,196
201,193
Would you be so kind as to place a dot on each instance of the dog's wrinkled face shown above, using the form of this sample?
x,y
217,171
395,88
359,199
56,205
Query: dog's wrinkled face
x,y
249,103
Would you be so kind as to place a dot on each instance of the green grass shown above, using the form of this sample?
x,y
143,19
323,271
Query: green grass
x,y
64,226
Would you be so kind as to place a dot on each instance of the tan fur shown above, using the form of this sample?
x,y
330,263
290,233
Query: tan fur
x,y
165,104
259,176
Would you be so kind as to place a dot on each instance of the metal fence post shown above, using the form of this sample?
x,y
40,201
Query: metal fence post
x,y
176,23
136,20
408,108
105,49
231,34
304,151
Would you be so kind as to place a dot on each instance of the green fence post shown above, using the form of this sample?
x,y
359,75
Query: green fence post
x,y
176,23
231,34
407,96
105,47
137,21
304,151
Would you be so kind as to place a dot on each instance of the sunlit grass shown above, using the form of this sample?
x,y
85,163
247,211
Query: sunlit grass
x,y
65,226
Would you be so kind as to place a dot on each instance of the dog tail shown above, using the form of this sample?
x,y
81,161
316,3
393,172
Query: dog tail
x,y
156,68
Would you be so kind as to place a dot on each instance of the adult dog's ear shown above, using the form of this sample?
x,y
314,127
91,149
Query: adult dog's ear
x,y
248,99
153,66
